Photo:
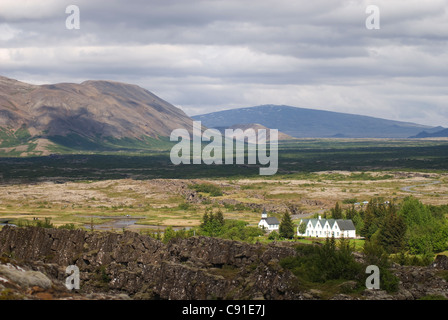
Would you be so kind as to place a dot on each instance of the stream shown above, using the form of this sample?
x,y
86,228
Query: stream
x,y
116,222
409,189
120,222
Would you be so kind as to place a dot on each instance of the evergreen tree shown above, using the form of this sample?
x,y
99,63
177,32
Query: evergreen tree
x,y
351,212
358,222
392,233
302,228
370,221
425,232
219,217
286,229
212,224
205,219
336,212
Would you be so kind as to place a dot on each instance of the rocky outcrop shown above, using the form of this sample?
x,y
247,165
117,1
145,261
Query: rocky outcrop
x,y
183,188
133,266
441,262
145,268
36,280
415,283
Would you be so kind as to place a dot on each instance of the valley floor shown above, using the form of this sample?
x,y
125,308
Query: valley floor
x,y
137,205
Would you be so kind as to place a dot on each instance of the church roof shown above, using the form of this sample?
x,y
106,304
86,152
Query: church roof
x,y
271,220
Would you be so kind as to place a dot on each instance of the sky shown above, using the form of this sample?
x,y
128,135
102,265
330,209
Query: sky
x,y
211,55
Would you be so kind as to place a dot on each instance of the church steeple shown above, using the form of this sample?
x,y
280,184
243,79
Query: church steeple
x,y
264,215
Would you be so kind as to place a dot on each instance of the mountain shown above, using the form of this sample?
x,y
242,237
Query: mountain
x,y
92,115
310,123
443,133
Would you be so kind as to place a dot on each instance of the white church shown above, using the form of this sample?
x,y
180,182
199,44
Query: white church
x,y
268,223
324,228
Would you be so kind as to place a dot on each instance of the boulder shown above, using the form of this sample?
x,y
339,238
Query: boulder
x,y
20,277
440,262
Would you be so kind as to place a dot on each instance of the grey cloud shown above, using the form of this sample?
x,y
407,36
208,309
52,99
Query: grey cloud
x,y
227,53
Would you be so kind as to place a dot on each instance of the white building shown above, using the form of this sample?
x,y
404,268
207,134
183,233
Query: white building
x,y
268,223
323,228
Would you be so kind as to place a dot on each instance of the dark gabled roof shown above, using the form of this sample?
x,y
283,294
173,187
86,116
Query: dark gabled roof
x,y
272,220
331,222
345,224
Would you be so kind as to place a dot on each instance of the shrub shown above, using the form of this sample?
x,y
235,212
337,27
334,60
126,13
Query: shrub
x,y
44,224
330,261
183,206
376,255
168,234
433,297
69,226
274,235
209,188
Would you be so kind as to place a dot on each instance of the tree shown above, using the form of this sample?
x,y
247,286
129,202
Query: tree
x,y
392,233
169,234
374,254
321,263
302,228
370,225
426,232
286,229
351,212
205,219
336,212
358,222
219,217
212,224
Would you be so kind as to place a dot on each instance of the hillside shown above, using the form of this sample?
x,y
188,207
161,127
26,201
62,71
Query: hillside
x,y
91,115
443,133
310,123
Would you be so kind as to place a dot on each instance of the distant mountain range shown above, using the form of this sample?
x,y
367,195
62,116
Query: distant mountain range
x,y
311,123
108,115
440,133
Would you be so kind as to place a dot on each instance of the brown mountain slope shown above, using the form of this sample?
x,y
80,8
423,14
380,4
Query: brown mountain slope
x,y
90,109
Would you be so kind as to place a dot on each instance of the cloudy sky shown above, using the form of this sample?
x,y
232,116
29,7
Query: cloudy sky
x,y
210,55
